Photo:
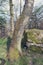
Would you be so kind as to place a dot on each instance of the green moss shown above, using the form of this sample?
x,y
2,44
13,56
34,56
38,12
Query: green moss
x,y
42,40
32,36
35,49
3,48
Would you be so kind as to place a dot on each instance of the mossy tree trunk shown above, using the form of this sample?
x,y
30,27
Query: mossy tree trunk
x,y
15,47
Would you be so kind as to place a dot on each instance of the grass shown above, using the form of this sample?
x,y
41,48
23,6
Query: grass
x,y
23,60
38,61
33,59
2,53
3,48
3,41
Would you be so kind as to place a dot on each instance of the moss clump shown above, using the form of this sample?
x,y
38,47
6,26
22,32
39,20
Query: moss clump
x,y
14,54
42,40
32,36
35,49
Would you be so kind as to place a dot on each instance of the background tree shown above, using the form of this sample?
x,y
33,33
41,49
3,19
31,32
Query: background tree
x,y
2,27
37,15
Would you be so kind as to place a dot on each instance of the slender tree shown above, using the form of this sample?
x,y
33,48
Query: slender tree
x,y
18,31
11,17
20,7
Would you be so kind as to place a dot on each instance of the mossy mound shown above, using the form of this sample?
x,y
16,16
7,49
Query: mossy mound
x,y
35,49
35,35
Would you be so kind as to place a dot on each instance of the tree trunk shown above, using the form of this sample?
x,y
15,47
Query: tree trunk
x,y
11,17
20,7
19,29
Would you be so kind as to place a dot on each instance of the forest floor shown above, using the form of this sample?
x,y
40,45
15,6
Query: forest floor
x,y
3,50
33,56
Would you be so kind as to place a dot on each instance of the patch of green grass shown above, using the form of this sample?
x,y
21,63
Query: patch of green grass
x,y
3,41
2,52
38,61
23,60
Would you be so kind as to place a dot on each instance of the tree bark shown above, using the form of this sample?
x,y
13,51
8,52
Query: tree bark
x,y
20,7
19,29
11,17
